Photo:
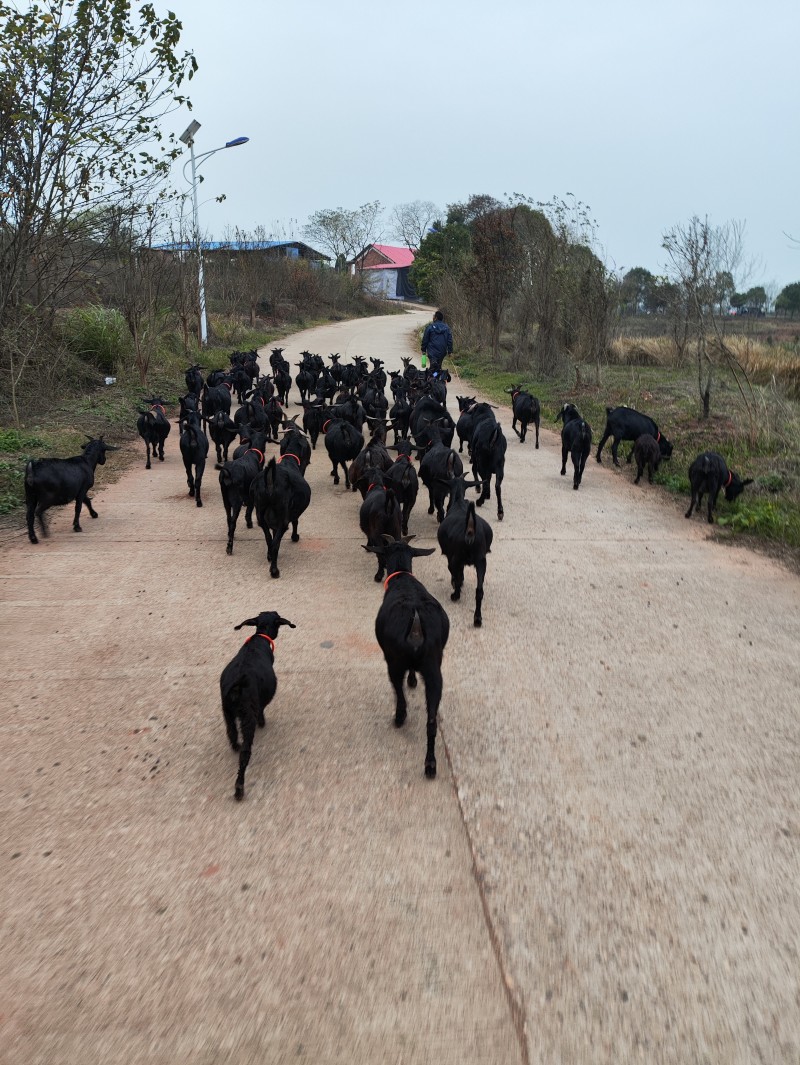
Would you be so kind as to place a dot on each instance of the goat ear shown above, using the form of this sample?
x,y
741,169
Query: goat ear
x,y
408,539
387,539
417,551
372,549
250,621
283,621
748,481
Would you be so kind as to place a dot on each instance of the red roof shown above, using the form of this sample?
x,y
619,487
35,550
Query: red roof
x,y
398,257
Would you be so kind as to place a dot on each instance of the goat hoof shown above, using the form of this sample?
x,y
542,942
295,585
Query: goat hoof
x,y
147,467
239,793
35,539
399,720
229,549
500,515
249,524
199,501
537,445
576,487
275,572
477,621
430,510
563,472
77,528
456,595
295,537
412,679
430,770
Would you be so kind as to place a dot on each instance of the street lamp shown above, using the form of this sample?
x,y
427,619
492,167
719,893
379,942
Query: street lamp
x,y
187,137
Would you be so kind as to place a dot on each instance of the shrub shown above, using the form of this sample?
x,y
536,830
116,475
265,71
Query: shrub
x,y
98,335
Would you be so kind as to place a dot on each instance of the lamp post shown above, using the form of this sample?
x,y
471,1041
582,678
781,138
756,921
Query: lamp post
x,y
187,137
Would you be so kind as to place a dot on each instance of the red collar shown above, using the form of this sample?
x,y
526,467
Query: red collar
x,y
404,457
228,386
383,486
730,478
326,424
658,436
396,573
261,454
289,455
263,636
515,394
157,406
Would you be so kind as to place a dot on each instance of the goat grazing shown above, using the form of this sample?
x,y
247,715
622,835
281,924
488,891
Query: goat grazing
x,y
247,686
625,423
576,441
709,473
56,482
647,453
465,539
412,629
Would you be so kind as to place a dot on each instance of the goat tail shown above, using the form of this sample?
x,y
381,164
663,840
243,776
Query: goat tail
x,y
415,637
29,477
471,525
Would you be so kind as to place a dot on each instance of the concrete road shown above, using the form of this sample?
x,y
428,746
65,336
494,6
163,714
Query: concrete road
x,y
605,869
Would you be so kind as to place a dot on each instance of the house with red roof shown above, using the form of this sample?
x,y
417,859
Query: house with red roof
x,y
385,271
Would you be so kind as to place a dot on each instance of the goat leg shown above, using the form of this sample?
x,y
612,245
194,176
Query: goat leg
x,y
498,480
248,732
295,533
396,674
480,570
433,695
457,578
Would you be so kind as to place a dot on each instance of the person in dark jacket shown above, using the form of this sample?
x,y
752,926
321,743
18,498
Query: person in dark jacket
x,y
437,341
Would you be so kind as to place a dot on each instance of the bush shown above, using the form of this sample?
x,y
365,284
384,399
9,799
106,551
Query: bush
x,y
99,336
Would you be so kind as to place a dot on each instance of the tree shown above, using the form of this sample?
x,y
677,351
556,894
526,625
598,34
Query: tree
x,y
636,289
788,299
698,253
83,87
442,253
493,273
411,222
756,299
344,233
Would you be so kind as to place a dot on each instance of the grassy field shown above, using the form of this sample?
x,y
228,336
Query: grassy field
x,y
763,444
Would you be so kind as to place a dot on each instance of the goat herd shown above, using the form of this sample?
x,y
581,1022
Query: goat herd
x,y
338,400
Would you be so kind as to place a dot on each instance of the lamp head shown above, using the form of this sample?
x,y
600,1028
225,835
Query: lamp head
x,y
188,134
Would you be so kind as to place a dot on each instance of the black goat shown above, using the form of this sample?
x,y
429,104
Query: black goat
x,y
280,495
194,452
647,453
342,442
440,464
465,422
402,477
373,453
379,515
465,539
525,409
194,380
56,482
488,451
427,411
153,426
709,473
412,629
224,431
576,440
248,684
235,479
215,397
295,443
625,423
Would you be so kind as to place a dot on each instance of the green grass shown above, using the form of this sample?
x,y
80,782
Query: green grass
x,y
768,449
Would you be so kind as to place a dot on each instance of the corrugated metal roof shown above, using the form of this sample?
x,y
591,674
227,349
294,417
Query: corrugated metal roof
x,y
239,245
399,256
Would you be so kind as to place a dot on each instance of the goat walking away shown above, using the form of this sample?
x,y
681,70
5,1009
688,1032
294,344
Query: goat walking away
x,y
525,409
235,479
576,441
194,452
247,686
402,478
280,494
709,473
412,630
440,464
488,455
380,515
56,482
465,539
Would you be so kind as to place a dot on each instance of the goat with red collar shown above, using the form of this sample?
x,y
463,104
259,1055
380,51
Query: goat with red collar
x,y
625,423
280,494
248,684
380,514
235,479
709,473
412,629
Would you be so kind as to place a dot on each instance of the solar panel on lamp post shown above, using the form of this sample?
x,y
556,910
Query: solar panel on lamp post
x,y
187,137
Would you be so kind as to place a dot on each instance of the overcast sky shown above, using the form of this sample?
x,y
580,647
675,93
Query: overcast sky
x,y
647,113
